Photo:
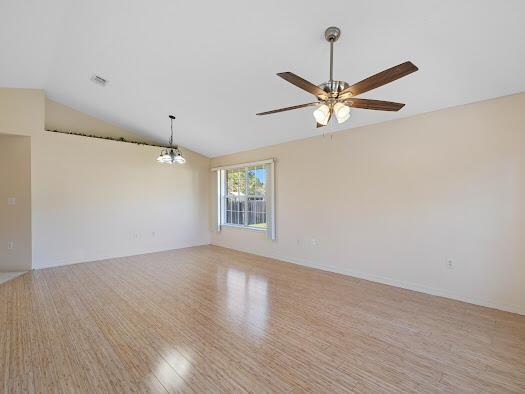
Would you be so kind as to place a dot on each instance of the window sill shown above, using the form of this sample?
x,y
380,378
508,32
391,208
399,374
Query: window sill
x,y
245,227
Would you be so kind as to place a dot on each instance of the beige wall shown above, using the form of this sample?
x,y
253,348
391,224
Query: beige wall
x,y
15,203
393,202
63,118
21,111
96,199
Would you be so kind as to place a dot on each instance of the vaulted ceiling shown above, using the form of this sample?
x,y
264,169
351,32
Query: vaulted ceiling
x,y
213,63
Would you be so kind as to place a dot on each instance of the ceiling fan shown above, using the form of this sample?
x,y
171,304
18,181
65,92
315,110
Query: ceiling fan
x,y
336,97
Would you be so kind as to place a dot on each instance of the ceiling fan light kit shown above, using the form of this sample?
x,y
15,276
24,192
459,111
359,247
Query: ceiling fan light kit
x,y
342,112
337,97
322,114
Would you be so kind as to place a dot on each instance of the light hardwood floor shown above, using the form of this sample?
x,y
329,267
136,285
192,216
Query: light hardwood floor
x,y
208,319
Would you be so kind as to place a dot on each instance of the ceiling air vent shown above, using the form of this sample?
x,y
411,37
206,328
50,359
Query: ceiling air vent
x,y
99,80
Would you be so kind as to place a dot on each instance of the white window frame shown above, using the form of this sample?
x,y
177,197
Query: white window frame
x,y
269,195
246,197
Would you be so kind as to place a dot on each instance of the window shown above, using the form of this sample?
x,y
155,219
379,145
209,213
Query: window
x,y
245,197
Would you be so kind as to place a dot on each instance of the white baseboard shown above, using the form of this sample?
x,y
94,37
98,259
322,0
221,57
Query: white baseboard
x,y
107,257
7,276
391,282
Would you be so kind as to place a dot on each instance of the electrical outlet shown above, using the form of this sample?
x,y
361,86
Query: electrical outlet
x,y
11,200
10,245
315,242
450,264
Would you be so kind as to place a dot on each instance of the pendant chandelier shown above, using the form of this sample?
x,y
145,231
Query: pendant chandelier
x,y
172,154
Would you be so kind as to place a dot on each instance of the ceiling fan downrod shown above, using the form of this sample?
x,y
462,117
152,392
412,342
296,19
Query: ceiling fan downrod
x,y
331,35
332,87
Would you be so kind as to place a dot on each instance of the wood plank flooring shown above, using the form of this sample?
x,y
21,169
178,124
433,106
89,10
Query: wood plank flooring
x,y
208,319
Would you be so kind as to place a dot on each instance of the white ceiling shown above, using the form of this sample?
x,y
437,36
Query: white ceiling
x,y
213,63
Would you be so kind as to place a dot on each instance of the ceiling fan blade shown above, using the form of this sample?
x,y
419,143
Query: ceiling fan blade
x,y
379,79
303,84
287,108
374,104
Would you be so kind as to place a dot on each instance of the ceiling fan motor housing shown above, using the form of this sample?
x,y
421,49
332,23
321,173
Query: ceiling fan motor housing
x,y
334,87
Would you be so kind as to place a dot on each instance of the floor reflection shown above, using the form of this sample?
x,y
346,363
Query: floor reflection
x,y
173,367
247,300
